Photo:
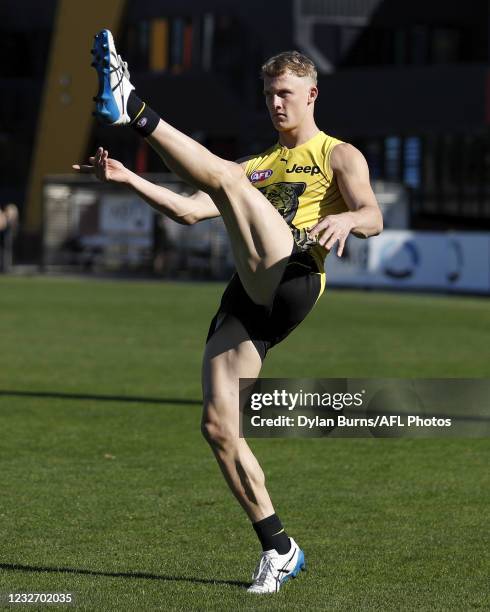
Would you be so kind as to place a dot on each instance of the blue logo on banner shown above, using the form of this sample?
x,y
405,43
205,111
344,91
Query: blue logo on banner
x,y
455,259
400,262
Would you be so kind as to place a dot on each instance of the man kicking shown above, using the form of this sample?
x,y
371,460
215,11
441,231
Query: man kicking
x,y
283,209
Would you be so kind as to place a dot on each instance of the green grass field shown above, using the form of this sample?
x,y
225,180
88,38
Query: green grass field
x,y
108,491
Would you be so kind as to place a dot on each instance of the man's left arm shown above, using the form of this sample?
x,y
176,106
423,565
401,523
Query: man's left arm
x,y
363,218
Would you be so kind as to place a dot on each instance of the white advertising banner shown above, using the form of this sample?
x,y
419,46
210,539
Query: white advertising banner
x,y
452,261
125,214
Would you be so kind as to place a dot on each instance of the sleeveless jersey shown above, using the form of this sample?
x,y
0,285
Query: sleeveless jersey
x,y
299,182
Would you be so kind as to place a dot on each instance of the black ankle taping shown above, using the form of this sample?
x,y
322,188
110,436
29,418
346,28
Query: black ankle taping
x,y
144,120
271,534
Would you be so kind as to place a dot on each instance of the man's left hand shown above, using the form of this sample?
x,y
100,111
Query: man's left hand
x,y
332,229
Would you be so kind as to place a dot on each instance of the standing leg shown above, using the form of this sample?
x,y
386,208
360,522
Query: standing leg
x,y
229,356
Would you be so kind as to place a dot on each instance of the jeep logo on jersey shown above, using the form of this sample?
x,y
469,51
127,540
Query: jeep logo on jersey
x,y
260,175
308,169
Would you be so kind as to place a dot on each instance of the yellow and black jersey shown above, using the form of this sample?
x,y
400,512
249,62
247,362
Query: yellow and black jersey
x,y
300,183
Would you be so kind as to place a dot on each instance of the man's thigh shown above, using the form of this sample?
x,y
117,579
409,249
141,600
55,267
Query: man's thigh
x,y
260,239
229,356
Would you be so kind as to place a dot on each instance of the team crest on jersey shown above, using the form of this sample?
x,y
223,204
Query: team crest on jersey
x,y
285,198
260,175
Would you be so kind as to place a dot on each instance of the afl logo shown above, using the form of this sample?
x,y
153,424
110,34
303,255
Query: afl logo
x,y
260,175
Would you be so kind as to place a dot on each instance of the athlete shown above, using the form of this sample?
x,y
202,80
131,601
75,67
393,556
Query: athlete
x,y
284,210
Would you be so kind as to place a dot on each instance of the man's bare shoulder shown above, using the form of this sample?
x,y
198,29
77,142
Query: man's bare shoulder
x,y
345,156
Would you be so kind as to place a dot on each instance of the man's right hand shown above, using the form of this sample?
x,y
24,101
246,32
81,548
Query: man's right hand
x,y
104,168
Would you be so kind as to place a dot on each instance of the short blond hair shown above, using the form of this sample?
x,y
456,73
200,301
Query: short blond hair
x,y
289,61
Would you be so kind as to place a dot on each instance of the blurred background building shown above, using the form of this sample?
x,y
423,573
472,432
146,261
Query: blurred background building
x,y
407,83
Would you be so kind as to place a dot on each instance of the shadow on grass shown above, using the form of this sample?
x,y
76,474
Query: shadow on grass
x,y
100,398
15,567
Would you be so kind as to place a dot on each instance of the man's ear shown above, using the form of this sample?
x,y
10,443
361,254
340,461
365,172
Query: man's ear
x,y
312,94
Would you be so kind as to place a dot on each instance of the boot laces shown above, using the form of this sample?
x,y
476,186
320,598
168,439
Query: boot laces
x,y
265,572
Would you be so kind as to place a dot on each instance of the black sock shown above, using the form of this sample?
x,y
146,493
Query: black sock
x,y
143,118
271,534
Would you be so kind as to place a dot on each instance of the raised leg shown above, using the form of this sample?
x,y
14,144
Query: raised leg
x,y
259,236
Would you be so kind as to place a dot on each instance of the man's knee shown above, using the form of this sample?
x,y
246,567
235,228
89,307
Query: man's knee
x,y
229,176
219,434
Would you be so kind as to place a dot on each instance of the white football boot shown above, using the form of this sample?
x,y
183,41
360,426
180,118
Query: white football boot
x,y
275,569
114,85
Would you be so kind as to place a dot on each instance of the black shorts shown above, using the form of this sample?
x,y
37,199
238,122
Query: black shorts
x,y
297,293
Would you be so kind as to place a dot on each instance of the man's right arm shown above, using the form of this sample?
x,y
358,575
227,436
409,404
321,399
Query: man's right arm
x,y
186,210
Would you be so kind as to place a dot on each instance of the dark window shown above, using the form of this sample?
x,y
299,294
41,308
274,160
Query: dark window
x,y
411,161
446,45
392,158
400,46
373,151
419,45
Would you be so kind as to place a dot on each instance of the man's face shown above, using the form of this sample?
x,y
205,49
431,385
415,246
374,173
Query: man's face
x,y
289,99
